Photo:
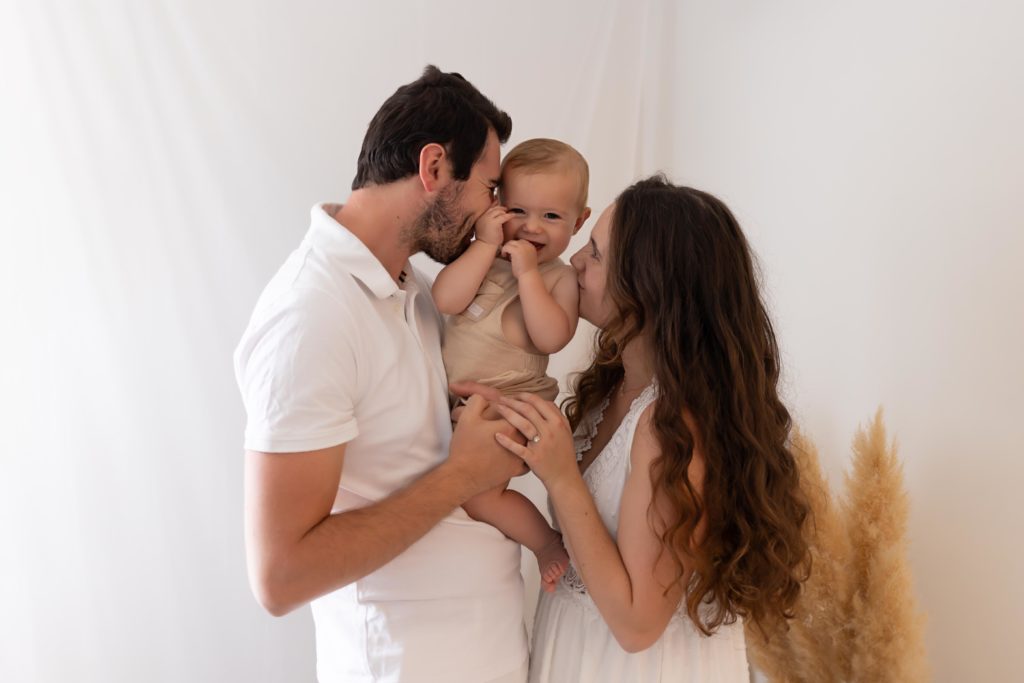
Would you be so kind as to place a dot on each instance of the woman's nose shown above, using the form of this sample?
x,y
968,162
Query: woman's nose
x,y
576,260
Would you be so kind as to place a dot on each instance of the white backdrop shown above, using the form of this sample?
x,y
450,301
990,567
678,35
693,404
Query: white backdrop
x,y
157,163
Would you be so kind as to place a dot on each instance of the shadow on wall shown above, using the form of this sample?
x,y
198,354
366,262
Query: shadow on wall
x,y
856,619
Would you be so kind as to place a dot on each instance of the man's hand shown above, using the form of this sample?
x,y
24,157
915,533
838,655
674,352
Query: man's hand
x,y
466,389
489,226
475,452
523,256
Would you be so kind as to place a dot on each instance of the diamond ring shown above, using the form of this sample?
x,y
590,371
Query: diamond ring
x,y
536,438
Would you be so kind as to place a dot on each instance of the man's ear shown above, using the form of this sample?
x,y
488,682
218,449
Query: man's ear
x,y
433,166
581,220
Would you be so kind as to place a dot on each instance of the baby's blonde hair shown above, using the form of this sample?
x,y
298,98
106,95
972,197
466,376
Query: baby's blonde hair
x,y
544,154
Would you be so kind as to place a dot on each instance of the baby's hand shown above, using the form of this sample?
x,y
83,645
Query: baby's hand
x,y
523,256
489,226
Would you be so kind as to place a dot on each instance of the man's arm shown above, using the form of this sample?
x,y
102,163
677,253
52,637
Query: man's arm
x,y
297,550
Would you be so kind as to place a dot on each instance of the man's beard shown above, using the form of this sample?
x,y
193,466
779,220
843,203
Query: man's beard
x,y
439,232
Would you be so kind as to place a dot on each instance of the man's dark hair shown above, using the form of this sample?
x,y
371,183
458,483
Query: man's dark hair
x,y
438,107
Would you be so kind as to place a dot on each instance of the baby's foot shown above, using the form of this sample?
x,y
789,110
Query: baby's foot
x,y
552,561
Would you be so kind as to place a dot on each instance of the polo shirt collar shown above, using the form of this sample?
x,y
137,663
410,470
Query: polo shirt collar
x,y
349,253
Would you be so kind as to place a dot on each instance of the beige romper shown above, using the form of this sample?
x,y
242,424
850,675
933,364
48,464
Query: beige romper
x,y
475,348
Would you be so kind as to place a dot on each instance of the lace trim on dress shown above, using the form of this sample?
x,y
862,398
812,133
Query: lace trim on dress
x,y
589,425
572,581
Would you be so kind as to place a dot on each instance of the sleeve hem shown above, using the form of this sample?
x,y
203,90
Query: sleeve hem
x,y
270,443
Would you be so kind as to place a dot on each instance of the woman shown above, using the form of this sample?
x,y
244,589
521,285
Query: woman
x,y
677,497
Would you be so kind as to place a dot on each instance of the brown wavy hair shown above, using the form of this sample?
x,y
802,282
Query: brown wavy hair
x,y
681,273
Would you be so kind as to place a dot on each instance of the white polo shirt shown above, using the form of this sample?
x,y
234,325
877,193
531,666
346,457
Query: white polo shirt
x,y
337,352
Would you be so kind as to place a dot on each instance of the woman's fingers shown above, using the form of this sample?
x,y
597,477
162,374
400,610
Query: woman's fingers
x,y
547,409
511,446
525,427
524,408
549,453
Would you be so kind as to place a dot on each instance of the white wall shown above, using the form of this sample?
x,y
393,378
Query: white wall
x,y
873,151
157,162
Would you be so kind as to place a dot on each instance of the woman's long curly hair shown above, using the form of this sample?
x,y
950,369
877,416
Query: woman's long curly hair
x,y
680,272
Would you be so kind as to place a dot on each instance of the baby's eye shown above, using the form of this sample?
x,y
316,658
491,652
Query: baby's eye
x,y
518,212
551,216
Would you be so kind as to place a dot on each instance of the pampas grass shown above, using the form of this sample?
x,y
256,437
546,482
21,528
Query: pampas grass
x,y
856,619
888,643
814,648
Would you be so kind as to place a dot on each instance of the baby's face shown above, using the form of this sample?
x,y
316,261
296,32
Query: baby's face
x,y
545,209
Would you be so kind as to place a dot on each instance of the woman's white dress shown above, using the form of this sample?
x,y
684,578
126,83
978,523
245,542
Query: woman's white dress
x,y
571,642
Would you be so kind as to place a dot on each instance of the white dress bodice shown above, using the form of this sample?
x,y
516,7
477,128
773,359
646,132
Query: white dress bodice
x,y
572,643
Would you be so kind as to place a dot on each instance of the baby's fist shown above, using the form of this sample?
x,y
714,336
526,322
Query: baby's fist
x,y
489,226
523,256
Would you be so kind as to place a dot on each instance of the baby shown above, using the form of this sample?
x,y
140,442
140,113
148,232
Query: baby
x,y
509,313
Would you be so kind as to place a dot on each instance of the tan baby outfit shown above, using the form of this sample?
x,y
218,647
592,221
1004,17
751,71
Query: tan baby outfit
x,y
475,348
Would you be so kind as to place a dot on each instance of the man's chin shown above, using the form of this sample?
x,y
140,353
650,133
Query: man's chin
x,y
445,253
467,239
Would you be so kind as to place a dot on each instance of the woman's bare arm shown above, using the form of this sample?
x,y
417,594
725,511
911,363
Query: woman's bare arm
x,y
626,576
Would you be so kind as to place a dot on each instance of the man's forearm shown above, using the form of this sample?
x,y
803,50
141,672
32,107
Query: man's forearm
x,y
345,547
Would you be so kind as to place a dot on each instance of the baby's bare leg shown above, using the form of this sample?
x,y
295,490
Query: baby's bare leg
x,y
515,516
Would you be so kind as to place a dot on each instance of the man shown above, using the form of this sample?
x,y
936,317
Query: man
x,y
352,492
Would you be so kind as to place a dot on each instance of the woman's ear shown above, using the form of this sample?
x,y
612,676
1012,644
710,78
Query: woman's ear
x,y
433,166
581,220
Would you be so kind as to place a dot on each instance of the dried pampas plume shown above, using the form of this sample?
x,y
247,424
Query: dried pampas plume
x,y
814,648
856,619
888,643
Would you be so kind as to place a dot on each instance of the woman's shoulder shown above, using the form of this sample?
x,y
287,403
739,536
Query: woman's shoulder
x,y
646,447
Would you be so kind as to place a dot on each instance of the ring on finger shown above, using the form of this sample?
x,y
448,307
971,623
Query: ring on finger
x,y
536,438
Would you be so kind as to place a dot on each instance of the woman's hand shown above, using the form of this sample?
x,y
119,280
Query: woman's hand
x,y
549,449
